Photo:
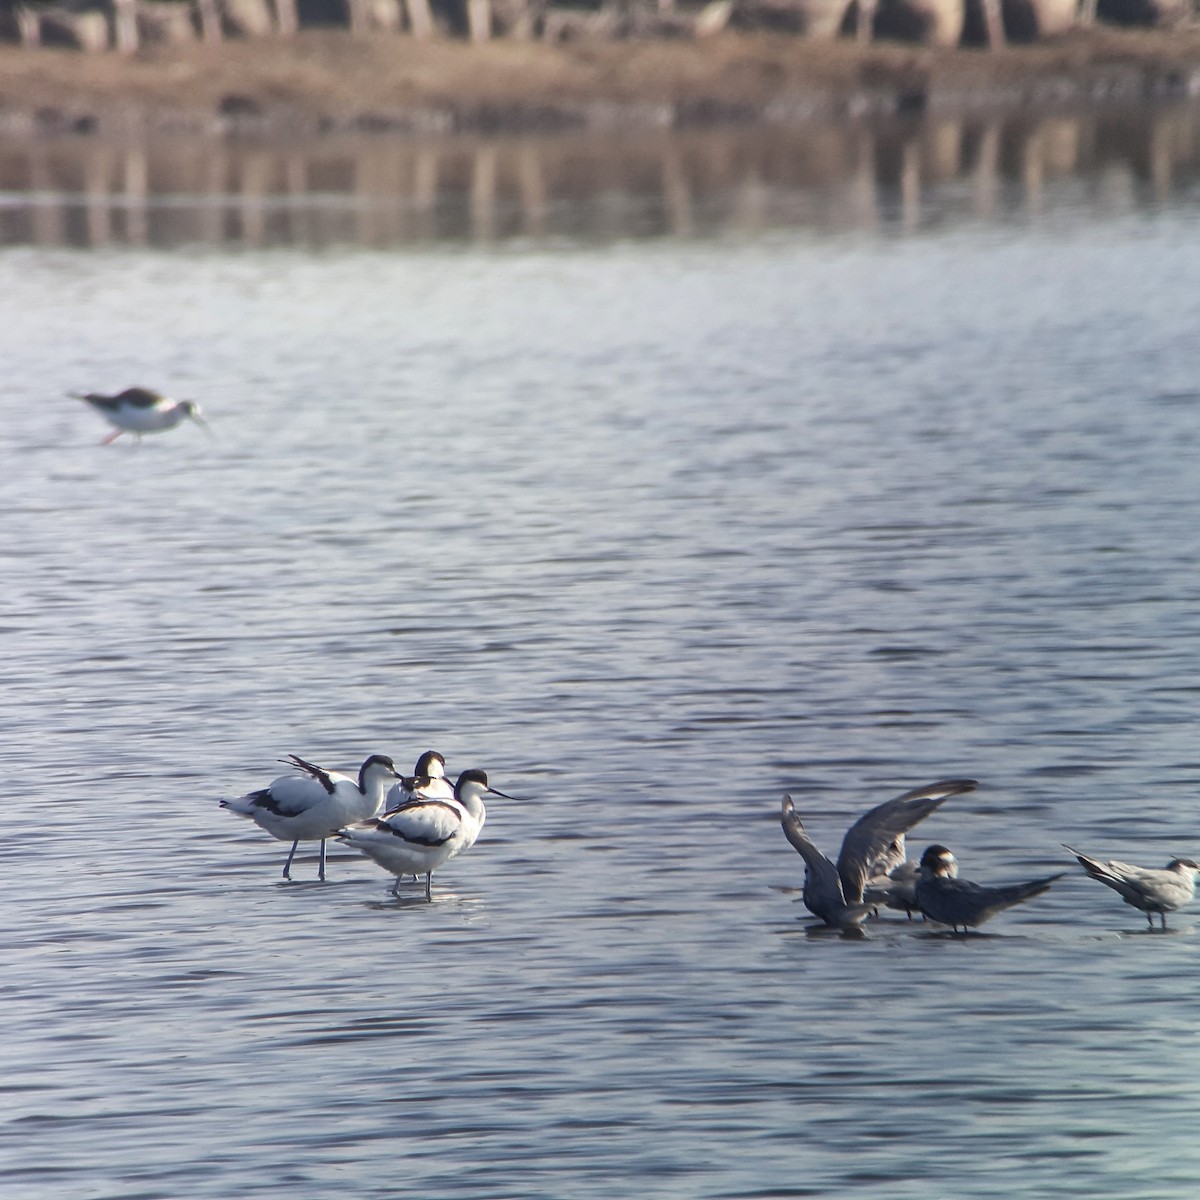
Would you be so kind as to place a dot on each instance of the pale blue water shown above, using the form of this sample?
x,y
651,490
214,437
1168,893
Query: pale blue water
x,y
653,530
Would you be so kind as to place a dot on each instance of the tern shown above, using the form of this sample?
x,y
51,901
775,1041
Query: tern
x,y
313,805
1151,889
418,837
944,898
835,894
138,410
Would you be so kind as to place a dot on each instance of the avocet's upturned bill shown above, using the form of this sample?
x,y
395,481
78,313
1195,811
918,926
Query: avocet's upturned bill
x,y
835,894
418,837
959,903
312,806
138,410
1151,889
427,782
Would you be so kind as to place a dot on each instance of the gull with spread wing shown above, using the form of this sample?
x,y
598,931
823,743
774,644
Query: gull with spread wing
x,y
873,845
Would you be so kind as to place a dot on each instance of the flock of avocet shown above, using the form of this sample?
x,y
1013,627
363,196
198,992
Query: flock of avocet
x,y
409,825
874,871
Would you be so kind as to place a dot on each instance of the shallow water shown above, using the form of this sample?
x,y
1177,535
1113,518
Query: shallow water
x,y
653,528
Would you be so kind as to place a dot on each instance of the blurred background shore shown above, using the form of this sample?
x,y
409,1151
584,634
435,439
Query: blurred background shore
x,y
486,66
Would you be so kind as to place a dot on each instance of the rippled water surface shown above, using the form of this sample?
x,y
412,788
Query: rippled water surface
x,y
653,530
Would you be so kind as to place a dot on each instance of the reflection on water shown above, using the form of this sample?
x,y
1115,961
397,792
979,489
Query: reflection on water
x,y
377,192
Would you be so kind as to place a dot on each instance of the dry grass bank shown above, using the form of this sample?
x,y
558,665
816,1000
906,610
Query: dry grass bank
x,y
325,80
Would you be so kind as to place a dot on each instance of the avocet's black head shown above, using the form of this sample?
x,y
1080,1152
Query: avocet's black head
x,y
476,776
938,860
377,760
431,765
1183,862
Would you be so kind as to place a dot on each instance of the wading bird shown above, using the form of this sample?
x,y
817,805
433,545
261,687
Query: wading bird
x,y
314,804
428,781
1151,889
138,410
417,837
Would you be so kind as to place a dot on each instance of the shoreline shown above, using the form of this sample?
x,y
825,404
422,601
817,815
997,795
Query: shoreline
x,y
330,82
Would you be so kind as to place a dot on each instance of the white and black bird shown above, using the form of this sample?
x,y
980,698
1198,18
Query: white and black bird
x,y
138,410
428,782
418,837
1151,889
835,894
948,900
315,804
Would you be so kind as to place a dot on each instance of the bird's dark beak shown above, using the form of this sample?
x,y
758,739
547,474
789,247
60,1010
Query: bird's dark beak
x,y
497,792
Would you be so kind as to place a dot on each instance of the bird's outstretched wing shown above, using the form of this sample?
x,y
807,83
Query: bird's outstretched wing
x,y
822,880
321,775
874,831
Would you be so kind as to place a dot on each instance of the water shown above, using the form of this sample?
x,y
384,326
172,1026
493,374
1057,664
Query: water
x,y
381,192
653,528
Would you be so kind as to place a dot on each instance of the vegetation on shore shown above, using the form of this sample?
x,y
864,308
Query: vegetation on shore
x,y
324,81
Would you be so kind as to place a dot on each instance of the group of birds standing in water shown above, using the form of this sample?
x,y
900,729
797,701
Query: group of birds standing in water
x,y
425,821
873,871
411,825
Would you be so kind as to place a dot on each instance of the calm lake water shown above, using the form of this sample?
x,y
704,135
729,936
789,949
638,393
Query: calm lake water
x,y
654,518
